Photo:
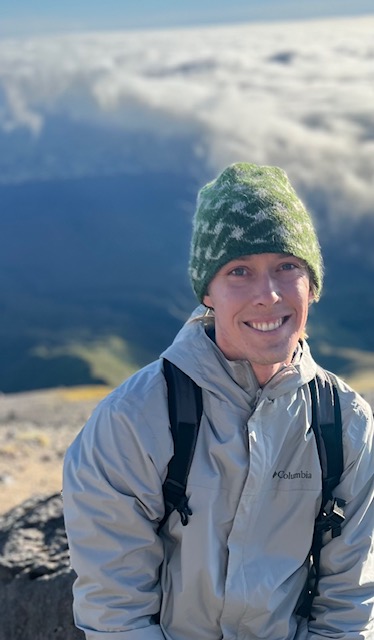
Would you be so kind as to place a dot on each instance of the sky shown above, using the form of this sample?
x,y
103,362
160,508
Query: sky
x,y
40,17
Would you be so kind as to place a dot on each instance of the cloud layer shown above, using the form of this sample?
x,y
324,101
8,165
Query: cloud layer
x,y
300,95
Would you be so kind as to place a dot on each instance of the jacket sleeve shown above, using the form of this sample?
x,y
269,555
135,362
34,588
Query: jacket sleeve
x,y
344,607
113,501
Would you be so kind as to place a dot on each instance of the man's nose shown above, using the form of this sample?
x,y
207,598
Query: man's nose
x,y
265,290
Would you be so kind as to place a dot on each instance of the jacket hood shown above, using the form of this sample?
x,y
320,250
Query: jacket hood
x,y
201,359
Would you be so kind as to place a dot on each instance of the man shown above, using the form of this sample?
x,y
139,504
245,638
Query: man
x,y
238,569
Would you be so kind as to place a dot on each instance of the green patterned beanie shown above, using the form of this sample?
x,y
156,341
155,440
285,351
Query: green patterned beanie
x,y
247,210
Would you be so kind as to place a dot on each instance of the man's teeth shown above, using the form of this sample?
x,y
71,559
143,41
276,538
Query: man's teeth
x,y
266,326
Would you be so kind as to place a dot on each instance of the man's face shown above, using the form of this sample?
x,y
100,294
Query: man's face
x,y
261,306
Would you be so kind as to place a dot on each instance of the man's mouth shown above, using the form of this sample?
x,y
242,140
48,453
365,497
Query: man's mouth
x,y
267,326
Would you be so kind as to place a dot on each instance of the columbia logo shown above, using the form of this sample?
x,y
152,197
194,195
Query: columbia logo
x,y
286,475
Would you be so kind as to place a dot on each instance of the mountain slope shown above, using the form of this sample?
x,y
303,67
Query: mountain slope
x,y
88,262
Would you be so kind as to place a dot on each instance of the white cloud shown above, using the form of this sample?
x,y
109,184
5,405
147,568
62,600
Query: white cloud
x,y
300,95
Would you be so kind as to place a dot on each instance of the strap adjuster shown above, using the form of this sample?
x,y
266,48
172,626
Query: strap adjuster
x,y
333,517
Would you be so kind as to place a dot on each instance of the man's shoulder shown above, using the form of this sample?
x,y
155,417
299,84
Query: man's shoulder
x,y
137,388
350,398
357,418
135,409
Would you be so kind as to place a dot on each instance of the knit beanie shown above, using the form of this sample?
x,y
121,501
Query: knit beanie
x,y
250,209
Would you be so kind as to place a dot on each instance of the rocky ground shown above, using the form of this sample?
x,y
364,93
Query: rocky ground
x,y
35,430
36,601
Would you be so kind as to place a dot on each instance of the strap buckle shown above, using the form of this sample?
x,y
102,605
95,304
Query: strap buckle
x,y
332,517
184,510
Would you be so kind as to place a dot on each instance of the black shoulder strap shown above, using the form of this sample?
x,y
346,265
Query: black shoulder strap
x,y
185,410
327,428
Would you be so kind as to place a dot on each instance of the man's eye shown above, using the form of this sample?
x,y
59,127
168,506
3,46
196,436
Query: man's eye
x,y
288,266
238,271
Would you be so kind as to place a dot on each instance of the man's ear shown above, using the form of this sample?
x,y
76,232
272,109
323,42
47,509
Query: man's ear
x,y
207,301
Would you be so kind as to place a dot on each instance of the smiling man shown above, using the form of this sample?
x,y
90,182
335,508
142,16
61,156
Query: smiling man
x,y
238,570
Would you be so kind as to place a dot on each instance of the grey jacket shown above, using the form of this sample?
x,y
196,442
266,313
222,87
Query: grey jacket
x,y
237,570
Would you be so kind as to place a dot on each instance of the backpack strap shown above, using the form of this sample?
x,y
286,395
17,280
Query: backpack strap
x,y
185,410
327,428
